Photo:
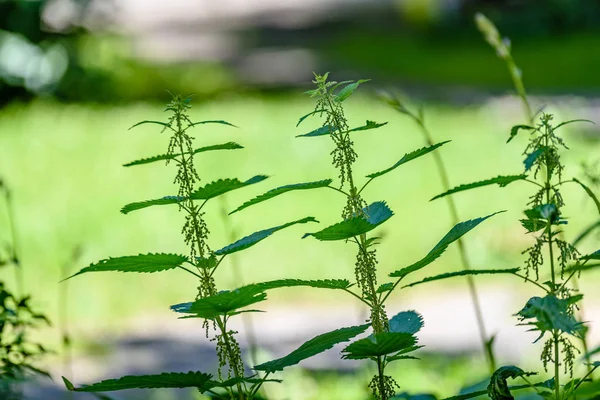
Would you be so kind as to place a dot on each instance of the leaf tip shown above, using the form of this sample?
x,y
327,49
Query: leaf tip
x,y
68,384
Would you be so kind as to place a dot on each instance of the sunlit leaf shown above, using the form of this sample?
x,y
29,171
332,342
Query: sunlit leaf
x,y
142,263
502,181
408,157
498,388
376,214
256,237
348,90
312,347
281,190
454,234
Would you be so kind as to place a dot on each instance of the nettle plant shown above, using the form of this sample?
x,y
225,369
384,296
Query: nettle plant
x,y
214,307
552,263
391,339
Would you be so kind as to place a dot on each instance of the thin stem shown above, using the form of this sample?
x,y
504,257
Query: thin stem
x,y
190,271
365,185
256,388
217,264
530,281
238,374
534,182
339,190
358,297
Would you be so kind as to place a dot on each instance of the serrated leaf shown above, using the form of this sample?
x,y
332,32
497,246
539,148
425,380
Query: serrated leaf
x,y
308,115
386,287
469,272
408,157
590,193
151,122
498,388
543,211
377,213
281,190
222,186
348,90
593,256
515,130
454,234
549,313
312,347
198,380
224,146
227,302
367,126
142,263
379,345
502,181
324,130
211,190
407,322
533,225
256,237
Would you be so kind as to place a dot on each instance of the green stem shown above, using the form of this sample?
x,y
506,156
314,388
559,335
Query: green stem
x,y
380,370
15,259
232,356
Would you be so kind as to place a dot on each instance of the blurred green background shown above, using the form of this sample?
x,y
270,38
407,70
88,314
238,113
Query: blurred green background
x,y
75,75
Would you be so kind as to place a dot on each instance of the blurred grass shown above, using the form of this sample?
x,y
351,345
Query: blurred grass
x,y
63,163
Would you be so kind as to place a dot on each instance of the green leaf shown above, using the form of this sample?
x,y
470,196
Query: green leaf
x,y
281,190
594,256
368,125
198,380
407,322
224,146
308,115
256,237
212,122
151,122
377,213
469,272
211,190
547,212
515,130
533,225
312,347
586,232
533,156
590,193
227,302
498,388
454,234
502,181
348,90
379,345
386,287
408,157
149,203
222,186
143,263
324,130
549,313
571,121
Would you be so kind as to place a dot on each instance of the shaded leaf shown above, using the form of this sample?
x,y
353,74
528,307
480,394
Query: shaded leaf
x,y
367,126
498,388
502,181
533,156
227,302
142,263
348,90
590,193
224,146
586,232
308,115
407,322
256,237
376,214
149,203
198,380
594,256
408,157
324,130
386,287
379,345
549,313
312,347
454,234
469,272
281,190
515,130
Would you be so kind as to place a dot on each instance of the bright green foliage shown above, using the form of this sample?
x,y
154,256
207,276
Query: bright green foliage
x,y
371,217
408,157
498,388
502,181
348,90
164,157
281,190
256,237
465,273
143,263
198,380
454,234
368,125
312,347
